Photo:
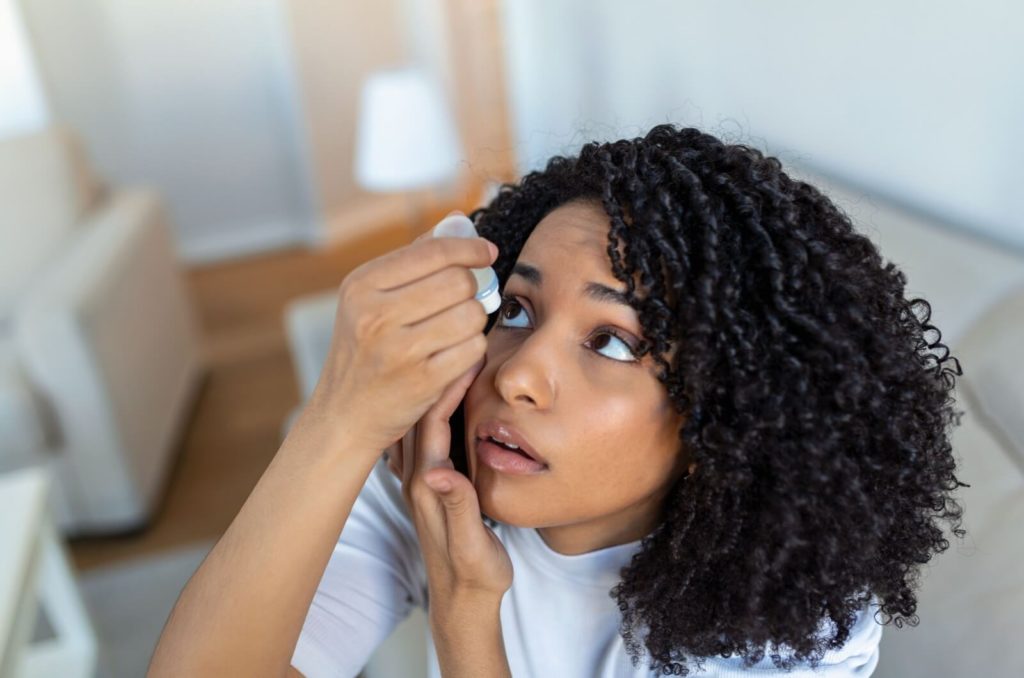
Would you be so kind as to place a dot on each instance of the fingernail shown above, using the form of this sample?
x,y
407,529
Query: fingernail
x,y
494,248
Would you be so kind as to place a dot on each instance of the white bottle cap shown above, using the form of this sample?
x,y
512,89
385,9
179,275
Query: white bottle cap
x,y
461,226
455,226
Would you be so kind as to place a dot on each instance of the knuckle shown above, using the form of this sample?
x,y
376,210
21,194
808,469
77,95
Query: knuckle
x,y
440,252
370,323
468,283
457,506
351,290
463,560
480,345
478,316
468,314
458,279
419,491
355,275
420,343
346,290
435,373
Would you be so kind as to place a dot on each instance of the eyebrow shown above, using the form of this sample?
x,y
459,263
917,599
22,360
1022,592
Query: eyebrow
x,y
592,290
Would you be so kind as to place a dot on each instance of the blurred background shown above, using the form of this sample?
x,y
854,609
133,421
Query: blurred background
x,y
184,184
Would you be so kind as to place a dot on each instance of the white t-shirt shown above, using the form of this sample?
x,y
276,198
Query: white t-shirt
x,y
557,619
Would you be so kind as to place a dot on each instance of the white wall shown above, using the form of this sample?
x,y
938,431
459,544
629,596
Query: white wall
x,y
22,102
917,101
193,97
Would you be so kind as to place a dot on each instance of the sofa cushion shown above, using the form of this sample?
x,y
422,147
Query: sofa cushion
x,y
993,376
971,595
22,433
45,188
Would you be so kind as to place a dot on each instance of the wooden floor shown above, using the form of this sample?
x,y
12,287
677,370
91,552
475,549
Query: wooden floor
x,y
249,389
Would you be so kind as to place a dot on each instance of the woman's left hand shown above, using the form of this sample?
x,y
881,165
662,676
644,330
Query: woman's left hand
x,y
463,557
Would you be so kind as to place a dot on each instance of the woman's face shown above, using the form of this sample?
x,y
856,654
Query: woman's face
x,y
601,420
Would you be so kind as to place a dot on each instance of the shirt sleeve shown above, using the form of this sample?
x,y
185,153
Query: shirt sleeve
x,y
373,579
857,658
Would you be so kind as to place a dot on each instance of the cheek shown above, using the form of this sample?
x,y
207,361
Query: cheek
x,y
609,420
623,437
604,433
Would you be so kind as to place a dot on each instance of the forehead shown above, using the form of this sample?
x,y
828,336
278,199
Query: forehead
x,y
576,229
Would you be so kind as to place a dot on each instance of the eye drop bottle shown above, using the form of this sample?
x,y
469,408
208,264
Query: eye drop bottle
x,y
461,226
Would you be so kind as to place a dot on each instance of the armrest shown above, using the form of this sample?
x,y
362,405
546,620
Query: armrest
x,y
108,337
22,436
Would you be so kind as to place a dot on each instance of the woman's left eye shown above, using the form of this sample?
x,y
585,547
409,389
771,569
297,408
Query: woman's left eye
x,y
627,351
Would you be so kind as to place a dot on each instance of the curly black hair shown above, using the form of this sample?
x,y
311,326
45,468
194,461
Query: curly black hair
x,y
817,410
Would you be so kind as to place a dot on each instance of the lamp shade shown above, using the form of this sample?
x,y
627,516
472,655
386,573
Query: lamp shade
x,y
406,138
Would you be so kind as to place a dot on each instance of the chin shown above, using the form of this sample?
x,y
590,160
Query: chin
x,y
512,519
508,508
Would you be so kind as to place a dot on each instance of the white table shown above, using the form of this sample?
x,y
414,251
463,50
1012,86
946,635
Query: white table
x,y
35,574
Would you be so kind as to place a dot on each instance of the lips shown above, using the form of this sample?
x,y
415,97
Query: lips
x,y
506,433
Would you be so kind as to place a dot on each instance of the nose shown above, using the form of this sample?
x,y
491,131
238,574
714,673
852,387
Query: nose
x,y
525,376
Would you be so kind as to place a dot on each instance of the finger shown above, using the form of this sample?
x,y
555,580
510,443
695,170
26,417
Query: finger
x,y
452,326
434,435
444,299
410,454
420,258
465,527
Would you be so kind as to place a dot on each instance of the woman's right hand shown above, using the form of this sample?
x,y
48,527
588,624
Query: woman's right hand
x,y
407,325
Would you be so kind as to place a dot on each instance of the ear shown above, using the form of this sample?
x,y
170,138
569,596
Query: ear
x,y
684,465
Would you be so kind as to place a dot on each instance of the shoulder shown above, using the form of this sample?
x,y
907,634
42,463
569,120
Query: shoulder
x,y
857,658
859,654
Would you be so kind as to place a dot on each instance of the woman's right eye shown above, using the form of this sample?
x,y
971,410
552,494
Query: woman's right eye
x,y
507,303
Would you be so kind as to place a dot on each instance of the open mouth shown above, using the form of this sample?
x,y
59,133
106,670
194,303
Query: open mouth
x,y
510,448
505,458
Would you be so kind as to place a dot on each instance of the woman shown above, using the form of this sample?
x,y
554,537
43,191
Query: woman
x,y
733,432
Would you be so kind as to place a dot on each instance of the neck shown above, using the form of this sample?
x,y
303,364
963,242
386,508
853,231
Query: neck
x,y
628,525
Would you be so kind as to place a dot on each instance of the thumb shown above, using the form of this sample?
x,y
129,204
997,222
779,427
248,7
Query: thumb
x,y
458,496
434,435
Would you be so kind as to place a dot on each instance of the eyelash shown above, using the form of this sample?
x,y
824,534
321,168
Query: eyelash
x,y
506,299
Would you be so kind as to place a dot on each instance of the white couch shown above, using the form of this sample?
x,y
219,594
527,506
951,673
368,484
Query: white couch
x,y
971,598
99,354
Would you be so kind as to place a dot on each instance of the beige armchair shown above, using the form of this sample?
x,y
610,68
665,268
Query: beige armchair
x,y
99,357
